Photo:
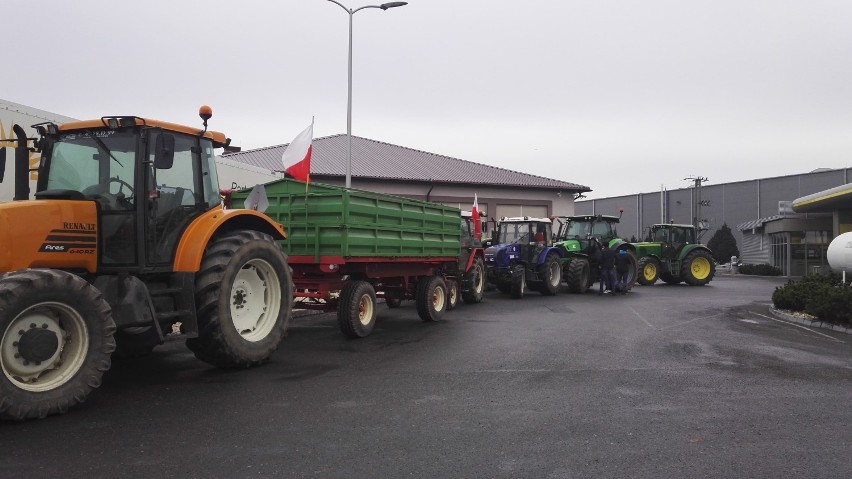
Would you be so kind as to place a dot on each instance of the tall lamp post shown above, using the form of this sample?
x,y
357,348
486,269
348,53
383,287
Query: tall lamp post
x,y
351,12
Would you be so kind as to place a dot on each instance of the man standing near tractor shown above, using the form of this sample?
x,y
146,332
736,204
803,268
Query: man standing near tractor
x,y
607,270
623,264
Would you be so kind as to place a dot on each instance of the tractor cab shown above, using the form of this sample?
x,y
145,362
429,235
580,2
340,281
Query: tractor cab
x,y
135,185
672,237
585,233
472,230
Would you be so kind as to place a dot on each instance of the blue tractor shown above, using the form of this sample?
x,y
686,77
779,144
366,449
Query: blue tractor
x,y
522,254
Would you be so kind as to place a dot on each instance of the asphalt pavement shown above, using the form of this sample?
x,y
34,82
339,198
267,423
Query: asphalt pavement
x,y
667,381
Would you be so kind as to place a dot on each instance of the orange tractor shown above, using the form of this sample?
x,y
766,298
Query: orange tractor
x,y
125,246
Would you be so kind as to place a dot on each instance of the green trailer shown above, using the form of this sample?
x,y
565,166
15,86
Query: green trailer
x,y
348,247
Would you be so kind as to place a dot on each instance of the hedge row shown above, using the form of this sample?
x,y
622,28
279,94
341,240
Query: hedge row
x,y
824,296
760,269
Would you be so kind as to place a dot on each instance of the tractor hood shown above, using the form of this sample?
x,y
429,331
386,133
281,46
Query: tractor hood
x,y
59,234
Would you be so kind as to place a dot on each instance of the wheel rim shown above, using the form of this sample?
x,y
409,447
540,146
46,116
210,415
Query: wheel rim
x,y
478,278
555,274
700,267
255,300
649,271
438,298
453,292
35,360
365,309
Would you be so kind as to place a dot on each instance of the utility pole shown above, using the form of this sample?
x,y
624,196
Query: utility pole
x,y
698,221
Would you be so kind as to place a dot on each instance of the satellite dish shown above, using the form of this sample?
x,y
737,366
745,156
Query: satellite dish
x,y
840,253
257,199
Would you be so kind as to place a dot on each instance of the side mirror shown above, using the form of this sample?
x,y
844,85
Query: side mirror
x,y
164,151
2,163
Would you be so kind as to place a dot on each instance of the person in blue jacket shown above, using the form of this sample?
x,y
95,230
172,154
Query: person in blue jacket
x,y
607,270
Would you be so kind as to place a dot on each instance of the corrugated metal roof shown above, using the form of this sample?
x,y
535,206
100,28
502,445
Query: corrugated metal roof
x,y
758,223
378,160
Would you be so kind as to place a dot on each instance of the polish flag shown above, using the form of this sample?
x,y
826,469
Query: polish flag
x,y
474,213
297,155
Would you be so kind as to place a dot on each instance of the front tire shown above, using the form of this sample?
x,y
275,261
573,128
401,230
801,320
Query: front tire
x,y
57,338
648,270
551,275
476,278
577,276
519,281
244,296
453,295
431,298
697,269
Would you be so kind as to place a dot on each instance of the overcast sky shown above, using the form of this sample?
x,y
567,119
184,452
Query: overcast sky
x,y
621,96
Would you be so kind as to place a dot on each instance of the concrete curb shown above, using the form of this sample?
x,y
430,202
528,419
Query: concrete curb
x,y
788,316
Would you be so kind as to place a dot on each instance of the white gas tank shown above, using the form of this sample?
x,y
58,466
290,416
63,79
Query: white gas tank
x,y
840,253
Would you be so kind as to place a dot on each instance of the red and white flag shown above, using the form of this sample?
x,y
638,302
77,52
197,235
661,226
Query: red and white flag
x,y
474,213
297,155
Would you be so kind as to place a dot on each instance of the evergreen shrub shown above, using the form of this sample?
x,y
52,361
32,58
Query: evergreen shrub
x,y
824,296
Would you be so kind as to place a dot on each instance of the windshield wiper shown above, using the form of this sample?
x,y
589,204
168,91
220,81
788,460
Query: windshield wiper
x,y
103,146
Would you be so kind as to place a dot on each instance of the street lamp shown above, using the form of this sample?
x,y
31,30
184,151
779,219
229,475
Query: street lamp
x,y
351,12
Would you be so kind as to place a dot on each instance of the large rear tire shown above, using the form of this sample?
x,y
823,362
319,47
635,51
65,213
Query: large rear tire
x,y
244,296
697,268
356,310
633,272
431,298
577,276
476,277
57,337
648,270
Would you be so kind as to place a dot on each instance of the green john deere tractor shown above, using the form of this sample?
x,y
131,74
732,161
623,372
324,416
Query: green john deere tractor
x,y
672,254
581,238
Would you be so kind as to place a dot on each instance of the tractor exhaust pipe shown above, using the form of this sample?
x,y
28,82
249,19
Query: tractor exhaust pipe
x,y
22,165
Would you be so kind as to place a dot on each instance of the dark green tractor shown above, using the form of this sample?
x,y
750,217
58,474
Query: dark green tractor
x,y
581,238
672,253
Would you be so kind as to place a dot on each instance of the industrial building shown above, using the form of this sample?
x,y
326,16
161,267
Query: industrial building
x,y
775,220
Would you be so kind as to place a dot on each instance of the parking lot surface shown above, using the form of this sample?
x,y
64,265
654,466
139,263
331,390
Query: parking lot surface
x,y
668,381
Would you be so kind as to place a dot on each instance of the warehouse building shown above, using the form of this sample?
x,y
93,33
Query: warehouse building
x,y
398,170
768,226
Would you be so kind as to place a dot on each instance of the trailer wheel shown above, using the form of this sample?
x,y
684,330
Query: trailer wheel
x,y
393,303
648,270
452,294
550,273
519,281
244,296
356,311
697,268
476,278
431,298
577,276
57,337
